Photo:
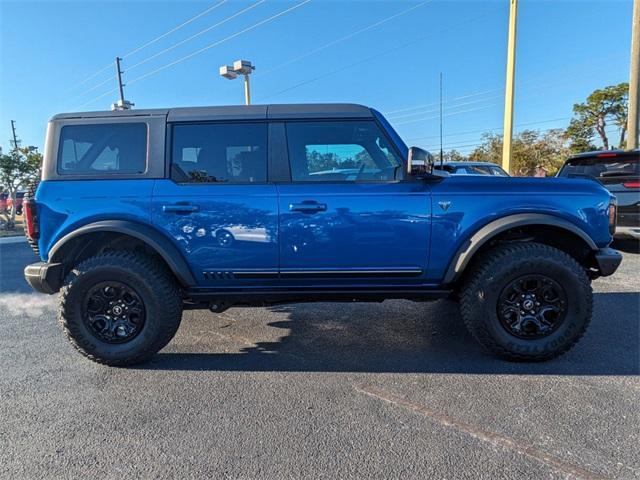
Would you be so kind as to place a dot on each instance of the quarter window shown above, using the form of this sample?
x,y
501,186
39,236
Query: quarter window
x,y
341,151
219,153
103,148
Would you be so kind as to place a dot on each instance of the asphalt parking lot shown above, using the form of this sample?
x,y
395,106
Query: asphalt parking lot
x,y
391,390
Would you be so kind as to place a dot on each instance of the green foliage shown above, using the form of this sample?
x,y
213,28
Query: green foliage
x,y
319,162
603,106
18,169
531,149
450,156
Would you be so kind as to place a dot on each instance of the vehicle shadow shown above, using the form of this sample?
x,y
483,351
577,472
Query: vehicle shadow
x,y
404,337
627,246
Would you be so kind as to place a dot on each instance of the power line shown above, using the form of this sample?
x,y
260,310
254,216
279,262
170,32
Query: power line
x,y
215,44
366,59
197,52
151,42
344,38
433,110
417,107
469,110
495,129
201,32
174,29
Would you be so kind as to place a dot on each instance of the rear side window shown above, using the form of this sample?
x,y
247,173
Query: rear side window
x,y
219,153
103,149
335,151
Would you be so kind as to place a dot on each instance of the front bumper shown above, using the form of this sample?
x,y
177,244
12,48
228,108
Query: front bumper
x,y
44,277
607,261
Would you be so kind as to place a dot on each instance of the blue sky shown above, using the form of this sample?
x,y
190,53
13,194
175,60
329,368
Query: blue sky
x,y
387,54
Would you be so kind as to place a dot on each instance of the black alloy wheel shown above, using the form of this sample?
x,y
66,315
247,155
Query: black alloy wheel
x,y
113,312
532,306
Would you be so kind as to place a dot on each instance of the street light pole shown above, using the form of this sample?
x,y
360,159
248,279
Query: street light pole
x,y
239,67
507,131
247,90
633,125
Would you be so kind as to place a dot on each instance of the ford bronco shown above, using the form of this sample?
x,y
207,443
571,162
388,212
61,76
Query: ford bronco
x,y
142,214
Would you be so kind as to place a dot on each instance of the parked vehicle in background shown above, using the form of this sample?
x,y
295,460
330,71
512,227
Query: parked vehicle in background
x,y
472,168
19,202
6,202
141,214
619,172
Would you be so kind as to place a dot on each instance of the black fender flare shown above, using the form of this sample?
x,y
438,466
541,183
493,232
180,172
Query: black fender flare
x,y
147,234
466,251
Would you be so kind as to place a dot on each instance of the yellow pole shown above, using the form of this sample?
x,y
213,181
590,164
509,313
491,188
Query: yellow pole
x,y
509,88
247,92
633,129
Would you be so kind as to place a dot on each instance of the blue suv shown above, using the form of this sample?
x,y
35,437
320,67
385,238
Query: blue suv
x,y
142,214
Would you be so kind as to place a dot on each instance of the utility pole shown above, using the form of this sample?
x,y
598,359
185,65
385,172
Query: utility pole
x,y
633,125
15,137
507,131
441,149
121,104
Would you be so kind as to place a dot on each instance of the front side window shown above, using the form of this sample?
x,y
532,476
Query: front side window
x,y
103,149
341,151
219,153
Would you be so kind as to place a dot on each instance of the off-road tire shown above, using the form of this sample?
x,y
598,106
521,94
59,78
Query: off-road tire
x,y
155,286
501,265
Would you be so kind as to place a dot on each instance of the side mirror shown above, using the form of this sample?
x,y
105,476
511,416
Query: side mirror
x,y
419,162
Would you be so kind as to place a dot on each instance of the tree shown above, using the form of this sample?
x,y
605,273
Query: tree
x,y
609,104
18,169
450,156
532,149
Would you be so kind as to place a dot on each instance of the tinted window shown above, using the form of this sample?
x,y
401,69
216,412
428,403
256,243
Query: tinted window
x,y
219,153
105,148
498,172
622,166
341,151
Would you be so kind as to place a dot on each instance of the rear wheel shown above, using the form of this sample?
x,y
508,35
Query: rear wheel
x,y
120,308
527,301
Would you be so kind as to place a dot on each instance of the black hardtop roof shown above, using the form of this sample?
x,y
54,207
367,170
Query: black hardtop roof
x,y
236,112
605,154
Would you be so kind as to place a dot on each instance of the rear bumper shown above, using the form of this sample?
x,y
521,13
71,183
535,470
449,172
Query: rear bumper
x,y
607,261
44,277
627,232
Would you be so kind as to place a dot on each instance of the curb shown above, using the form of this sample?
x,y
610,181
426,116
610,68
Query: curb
x,y
16,239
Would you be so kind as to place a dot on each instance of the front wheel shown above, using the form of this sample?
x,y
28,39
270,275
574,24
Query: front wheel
x,y
119,308
527,301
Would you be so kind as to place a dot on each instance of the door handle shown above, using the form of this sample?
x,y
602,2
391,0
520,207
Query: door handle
x,y
308,207
180,208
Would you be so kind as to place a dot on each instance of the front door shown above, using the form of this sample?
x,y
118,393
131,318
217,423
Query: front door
x,y
348,216
218,205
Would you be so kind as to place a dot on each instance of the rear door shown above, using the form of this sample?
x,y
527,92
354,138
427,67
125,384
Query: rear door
x,y
218,204
348,216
